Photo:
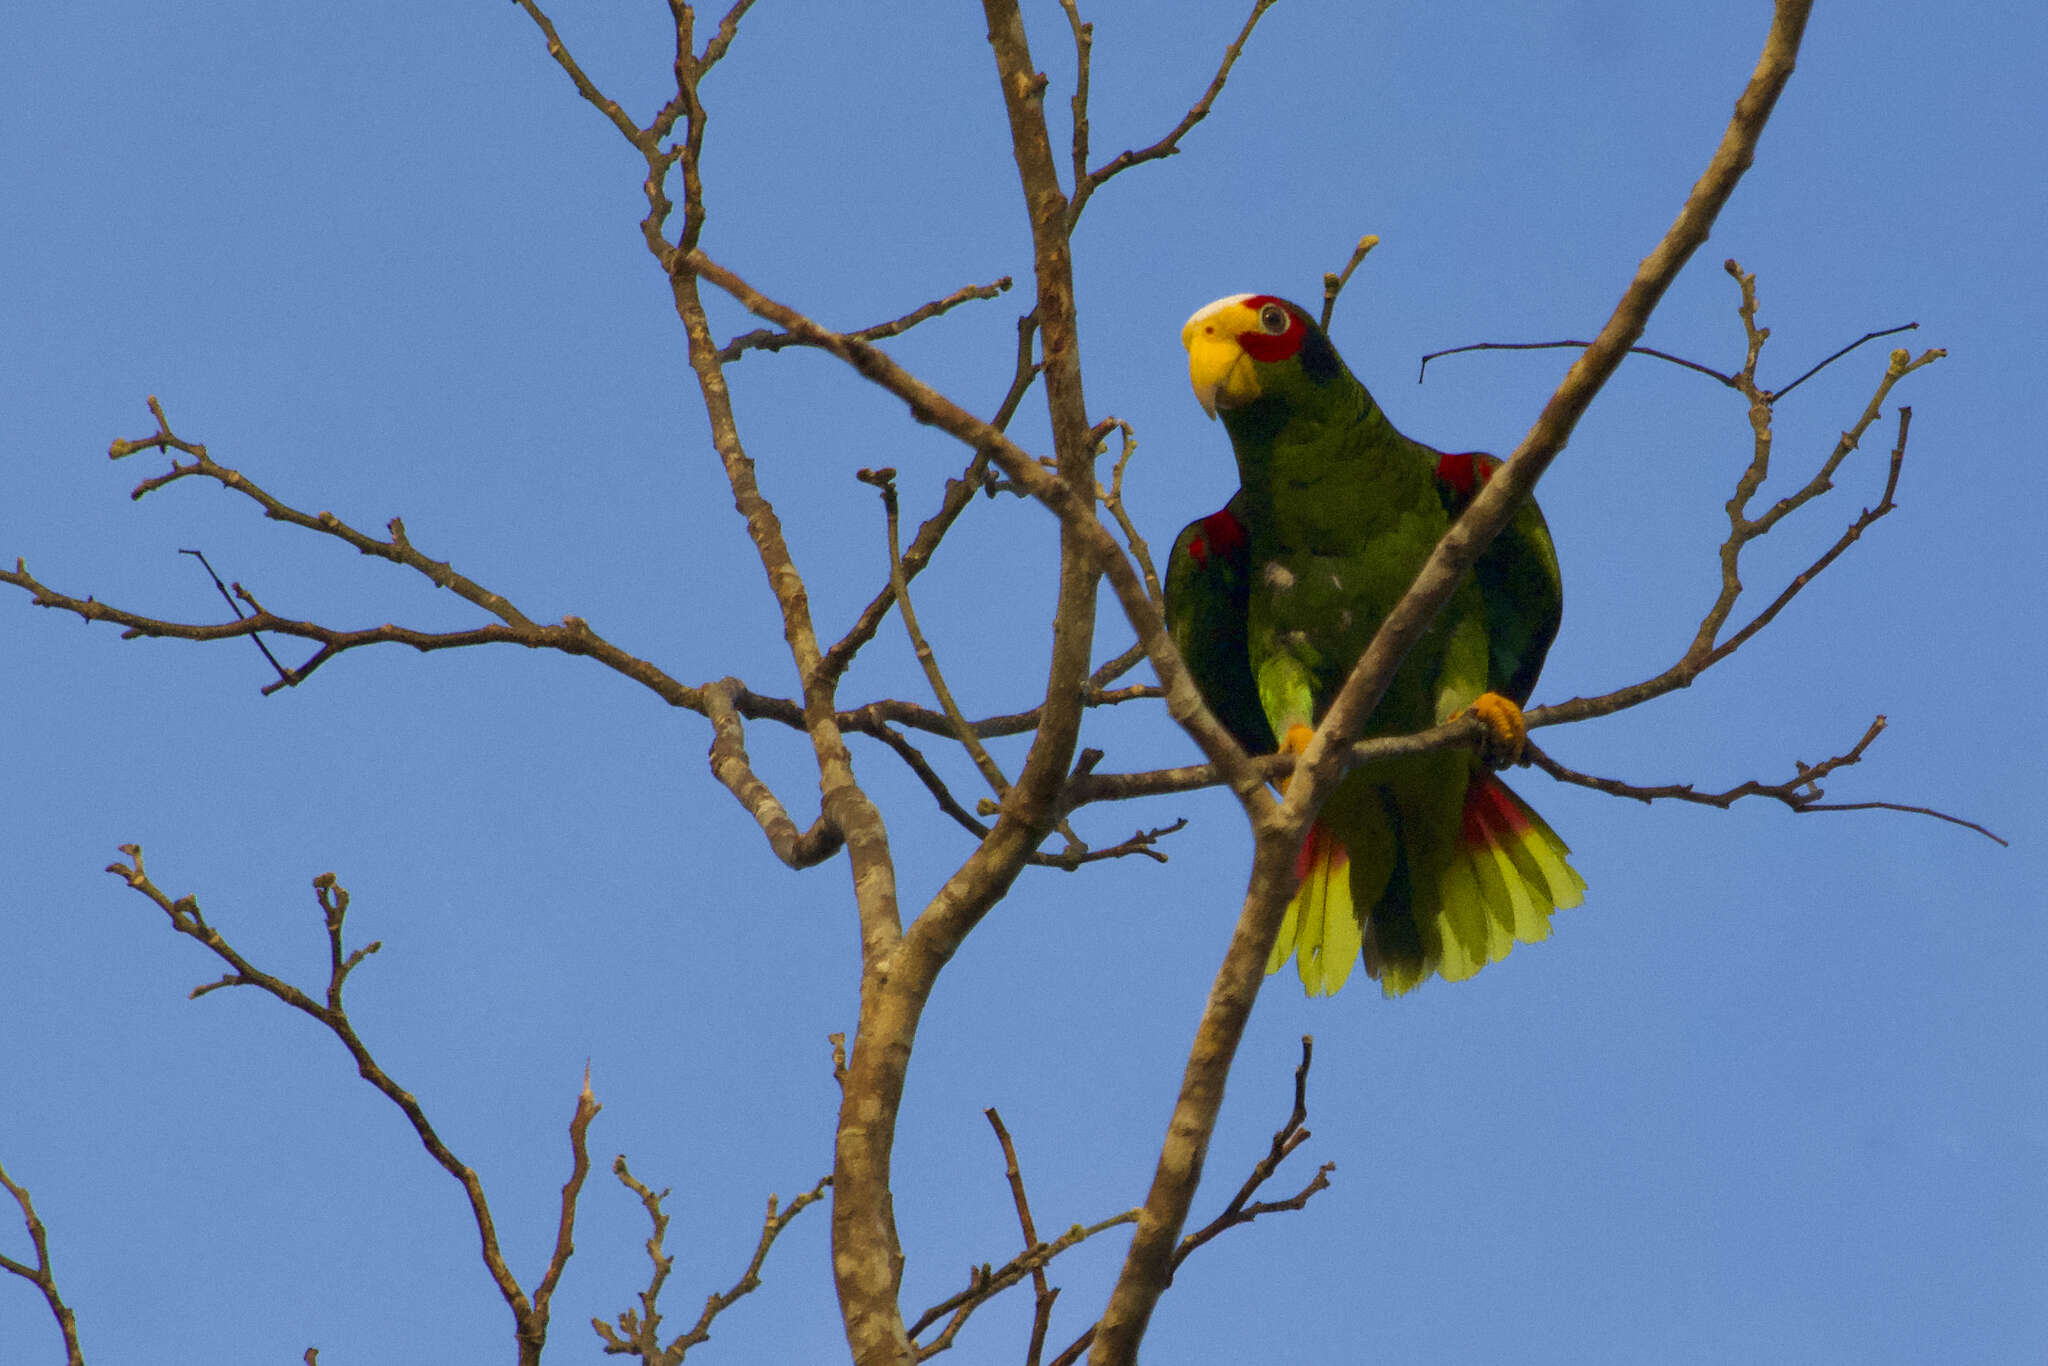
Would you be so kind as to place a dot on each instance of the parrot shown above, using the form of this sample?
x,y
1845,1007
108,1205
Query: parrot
x,y
1419,866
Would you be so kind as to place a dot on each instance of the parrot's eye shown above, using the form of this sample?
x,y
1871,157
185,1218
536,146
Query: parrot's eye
x,y
1273,320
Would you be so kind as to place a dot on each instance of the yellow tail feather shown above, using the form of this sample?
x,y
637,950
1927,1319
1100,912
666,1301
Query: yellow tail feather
x,y
1321,925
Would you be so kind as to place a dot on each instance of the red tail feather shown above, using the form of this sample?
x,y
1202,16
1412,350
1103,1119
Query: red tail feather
x,y
1491,809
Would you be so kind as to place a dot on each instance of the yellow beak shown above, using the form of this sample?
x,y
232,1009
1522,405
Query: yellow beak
x,y
1218,368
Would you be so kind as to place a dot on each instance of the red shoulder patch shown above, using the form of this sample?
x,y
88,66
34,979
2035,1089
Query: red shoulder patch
x,y
1465,472
1220,534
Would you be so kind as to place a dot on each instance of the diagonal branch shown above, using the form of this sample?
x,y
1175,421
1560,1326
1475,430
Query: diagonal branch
x,y
1043,1293
1334,281
958,493
1086,186
397,550
984,1283
763,339
1242,1209
638,1331
529,1317
885,481
535,1328
1707,647
41,1276
1286,1139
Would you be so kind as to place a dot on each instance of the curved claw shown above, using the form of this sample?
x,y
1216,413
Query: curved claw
x,y
1507,732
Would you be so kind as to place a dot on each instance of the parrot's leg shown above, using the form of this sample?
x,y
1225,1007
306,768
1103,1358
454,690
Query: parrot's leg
x,y
1287,694
1507,733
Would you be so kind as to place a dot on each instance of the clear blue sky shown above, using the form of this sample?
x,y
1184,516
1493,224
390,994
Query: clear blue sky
x,y
1776,1092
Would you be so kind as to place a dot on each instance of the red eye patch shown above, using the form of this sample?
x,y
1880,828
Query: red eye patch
x,y
1265,346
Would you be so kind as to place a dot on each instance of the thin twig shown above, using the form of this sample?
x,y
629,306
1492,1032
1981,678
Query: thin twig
x,y
565,1228
637,1333
1112,500
958,493
1086,186
984,1283
41,1275
1801,792
1706,370
1044,1293
884,480
1290,1135
1334,282
1822,365
236,608
1241,1209
767,339
1084,50
187,919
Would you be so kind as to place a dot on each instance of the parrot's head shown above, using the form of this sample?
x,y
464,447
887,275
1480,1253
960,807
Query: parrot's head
x,y
1250,347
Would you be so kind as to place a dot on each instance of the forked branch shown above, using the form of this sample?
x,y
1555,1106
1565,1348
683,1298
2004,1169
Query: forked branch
x,y
529,1315
41,1276
638,1331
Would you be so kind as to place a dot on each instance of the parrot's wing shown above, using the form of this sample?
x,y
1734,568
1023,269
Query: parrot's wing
x,y
1208,588
1518,579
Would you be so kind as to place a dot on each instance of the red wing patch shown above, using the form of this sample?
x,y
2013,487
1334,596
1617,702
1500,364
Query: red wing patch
x,y
1466,472
1221,534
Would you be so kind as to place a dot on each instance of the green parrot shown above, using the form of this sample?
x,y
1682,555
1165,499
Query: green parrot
x,y
1427,864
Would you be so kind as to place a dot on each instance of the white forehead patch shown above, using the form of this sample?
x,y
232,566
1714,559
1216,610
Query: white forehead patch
x,y
1206,309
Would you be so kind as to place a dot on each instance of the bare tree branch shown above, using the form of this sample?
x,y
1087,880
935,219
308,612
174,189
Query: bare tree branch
x,y
1086,186
1286,1139
885,481
984,1283
536,1327
1334,282
1821,365
41,1275
730,765
764,339
236,607
1044,1294
529,1317
1709,371
899,963
1800,793
638,1331
1707,647
958,493
1242,1209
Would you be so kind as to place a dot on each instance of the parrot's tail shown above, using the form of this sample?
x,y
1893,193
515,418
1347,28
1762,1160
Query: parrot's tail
x,y
1322,922
1506,875
1497,882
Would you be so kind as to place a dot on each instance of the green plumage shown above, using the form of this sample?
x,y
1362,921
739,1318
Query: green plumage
x,y
1426,864
1208,592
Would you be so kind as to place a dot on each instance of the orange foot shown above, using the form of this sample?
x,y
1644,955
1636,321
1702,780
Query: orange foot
x,y
1297,740
1506,732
